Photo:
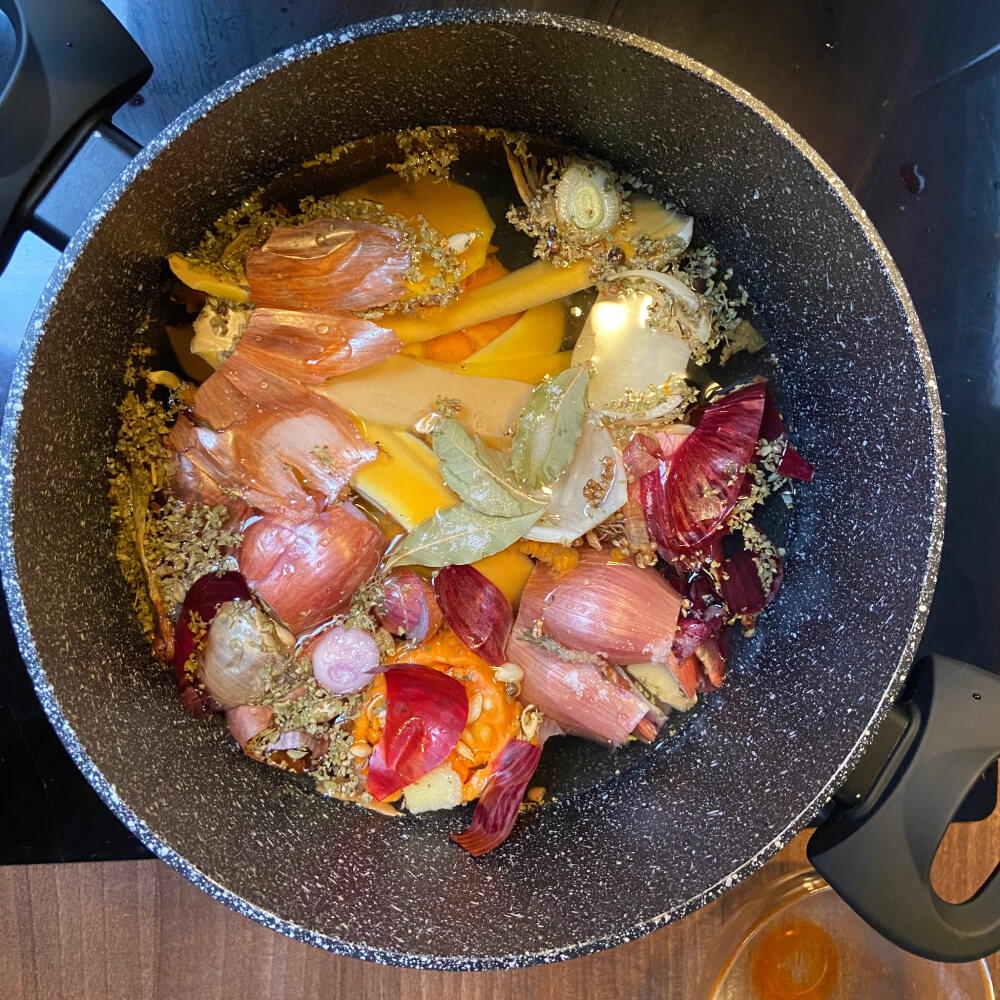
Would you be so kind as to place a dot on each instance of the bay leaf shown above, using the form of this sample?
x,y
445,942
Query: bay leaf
x,y
549,427
459,535
478,473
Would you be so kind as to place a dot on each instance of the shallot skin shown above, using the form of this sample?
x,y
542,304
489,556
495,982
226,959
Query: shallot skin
x,y
307,571
409,607
242,649
615,610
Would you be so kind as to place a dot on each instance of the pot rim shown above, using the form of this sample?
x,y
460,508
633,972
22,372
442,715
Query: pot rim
x,y
35,331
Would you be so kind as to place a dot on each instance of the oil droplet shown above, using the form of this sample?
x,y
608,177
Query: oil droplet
x,y
796,961
257,337
913,180
263,383
322,329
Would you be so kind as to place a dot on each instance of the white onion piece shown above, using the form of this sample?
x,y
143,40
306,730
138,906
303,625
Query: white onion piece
x,y
627,357
568,513
242,649
217,330
344,660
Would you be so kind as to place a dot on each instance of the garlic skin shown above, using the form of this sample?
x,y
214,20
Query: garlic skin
x,y
586,198
242,649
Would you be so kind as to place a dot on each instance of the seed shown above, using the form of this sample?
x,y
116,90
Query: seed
x,y
536,794
530,719
360,749
514,690
484,736
488,705
465,750
476,706
509,672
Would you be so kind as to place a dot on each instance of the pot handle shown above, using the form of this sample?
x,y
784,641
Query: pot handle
x,y
74,64
877,845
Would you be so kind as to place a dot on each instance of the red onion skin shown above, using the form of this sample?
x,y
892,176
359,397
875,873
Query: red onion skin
x,y
688,498
344,660
497,808
426,712
772,428
794,466
307,571
741,587
204,597
409,607
476,610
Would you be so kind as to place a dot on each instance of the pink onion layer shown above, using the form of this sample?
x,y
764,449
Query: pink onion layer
x,y
616,610
426,712
344,660
307,570
498,806
312,347
328,264
476,610
409,607
575,694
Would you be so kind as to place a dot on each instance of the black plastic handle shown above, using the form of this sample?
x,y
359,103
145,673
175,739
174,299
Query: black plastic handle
x,y
74,64
877,845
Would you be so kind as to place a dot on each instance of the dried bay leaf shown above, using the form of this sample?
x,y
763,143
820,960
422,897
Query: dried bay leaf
x,y
459,535
477,473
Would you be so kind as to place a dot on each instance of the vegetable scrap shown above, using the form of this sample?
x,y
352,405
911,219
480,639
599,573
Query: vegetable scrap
x,y
407,507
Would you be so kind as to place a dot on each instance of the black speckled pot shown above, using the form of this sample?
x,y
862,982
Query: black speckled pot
x,y
680,824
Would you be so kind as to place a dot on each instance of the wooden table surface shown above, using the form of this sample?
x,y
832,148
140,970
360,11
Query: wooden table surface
x,y
136,930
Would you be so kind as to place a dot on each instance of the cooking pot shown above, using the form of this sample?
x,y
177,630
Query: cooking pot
x,y
814,717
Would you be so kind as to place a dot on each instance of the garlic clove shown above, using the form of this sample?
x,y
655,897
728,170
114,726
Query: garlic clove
x,y
658,679
241,654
